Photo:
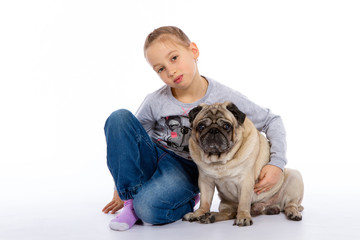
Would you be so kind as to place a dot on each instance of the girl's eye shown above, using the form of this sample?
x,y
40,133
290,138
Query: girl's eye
x,y
174,58
160,70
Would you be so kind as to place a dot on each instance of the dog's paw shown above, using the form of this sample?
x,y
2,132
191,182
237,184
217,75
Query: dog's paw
x,y
190,217
272,210
243,219
243,222
257,209
293,214
207,218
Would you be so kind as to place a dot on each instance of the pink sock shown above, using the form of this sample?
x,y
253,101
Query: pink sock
x,y
197,199
125,219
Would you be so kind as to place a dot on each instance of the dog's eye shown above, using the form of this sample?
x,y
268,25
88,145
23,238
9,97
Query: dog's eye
x,y
227,126
200,127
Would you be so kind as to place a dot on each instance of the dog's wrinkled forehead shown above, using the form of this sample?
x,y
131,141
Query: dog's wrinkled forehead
x,y
218,110
213,111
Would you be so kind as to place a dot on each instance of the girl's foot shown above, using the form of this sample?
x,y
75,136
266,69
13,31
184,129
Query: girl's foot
x,y
125,219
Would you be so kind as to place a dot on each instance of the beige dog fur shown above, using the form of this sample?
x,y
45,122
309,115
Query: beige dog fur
x,y
235,172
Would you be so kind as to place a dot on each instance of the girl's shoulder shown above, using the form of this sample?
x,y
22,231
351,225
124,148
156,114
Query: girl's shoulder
x,y
158,94
221,89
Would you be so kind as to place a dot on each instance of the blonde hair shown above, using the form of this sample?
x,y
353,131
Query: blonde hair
x,y
176,32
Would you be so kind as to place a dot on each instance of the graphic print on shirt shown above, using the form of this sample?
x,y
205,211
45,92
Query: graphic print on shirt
x,y
177,134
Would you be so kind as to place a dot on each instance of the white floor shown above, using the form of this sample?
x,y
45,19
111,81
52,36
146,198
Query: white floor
x,y
68,208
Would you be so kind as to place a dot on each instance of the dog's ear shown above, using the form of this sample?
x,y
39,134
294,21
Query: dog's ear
x,y
193,113
239,115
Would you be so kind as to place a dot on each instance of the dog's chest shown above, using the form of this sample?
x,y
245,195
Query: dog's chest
x,y
228,188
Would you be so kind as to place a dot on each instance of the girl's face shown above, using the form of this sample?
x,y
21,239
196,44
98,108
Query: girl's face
x,y
175,64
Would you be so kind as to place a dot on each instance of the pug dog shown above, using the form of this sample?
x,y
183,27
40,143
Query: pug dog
x,y
230,153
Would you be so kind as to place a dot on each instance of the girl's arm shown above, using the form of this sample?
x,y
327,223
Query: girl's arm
x,y
272,125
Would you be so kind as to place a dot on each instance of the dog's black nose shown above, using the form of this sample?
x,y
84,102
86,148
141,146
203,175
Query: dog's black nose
x,y
214,131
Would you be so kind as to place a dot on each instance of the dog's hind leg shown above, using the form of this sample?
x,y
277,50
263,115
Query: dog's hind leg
x,y
257,208
301,208
292,211
272,210
293,192
262,208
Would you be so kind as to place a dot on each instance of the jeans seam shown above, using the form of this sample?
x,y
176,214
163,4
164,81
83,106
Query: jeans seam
x,y
162,156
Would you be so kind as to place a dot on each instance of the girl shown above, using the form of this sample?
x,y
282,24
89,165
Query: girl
x,y
148,154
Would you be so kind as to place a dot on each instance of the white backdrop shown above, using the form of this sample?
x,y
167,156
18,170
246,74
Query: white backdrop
x,y
66,65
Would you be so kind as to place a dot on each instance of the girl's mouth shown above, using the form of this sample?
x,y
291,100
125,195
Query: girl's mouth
x,y
178,79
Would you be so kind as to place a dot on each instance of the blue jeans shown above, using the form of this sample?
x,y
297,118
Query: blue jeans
x,y
161,183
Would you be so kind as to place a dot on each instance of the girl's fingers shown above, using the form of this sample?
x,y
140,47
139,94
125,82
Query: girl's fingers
x,y
118,207
108,207
109,204
113,206
262,189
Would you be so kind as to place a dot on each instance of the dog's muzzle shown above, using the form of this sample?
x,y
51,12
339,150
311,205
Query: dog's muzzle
x,y
214,142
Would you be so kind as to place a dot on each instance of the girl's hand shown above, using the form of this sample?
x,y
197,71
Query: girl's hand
x,y
115,205
269,176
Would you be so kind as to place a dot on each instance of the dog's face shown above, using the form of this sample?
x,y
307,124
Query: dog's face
x,y
214,127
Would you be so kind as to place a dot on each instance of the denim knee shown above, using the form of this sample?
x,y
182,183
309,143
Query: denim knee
x,y
119,118
145,209
152,209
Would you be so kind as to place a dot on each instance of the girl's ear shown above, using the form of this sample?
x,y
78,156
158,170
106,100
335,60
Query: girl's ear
x,y
194,50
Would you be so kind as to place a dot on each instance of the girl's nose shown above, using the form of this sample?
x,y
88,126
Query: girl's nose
x,y
171,72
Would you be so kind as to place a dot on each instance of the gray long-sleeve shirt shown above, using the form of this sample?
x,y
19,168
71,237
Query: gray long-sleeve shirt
x,y
166,119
